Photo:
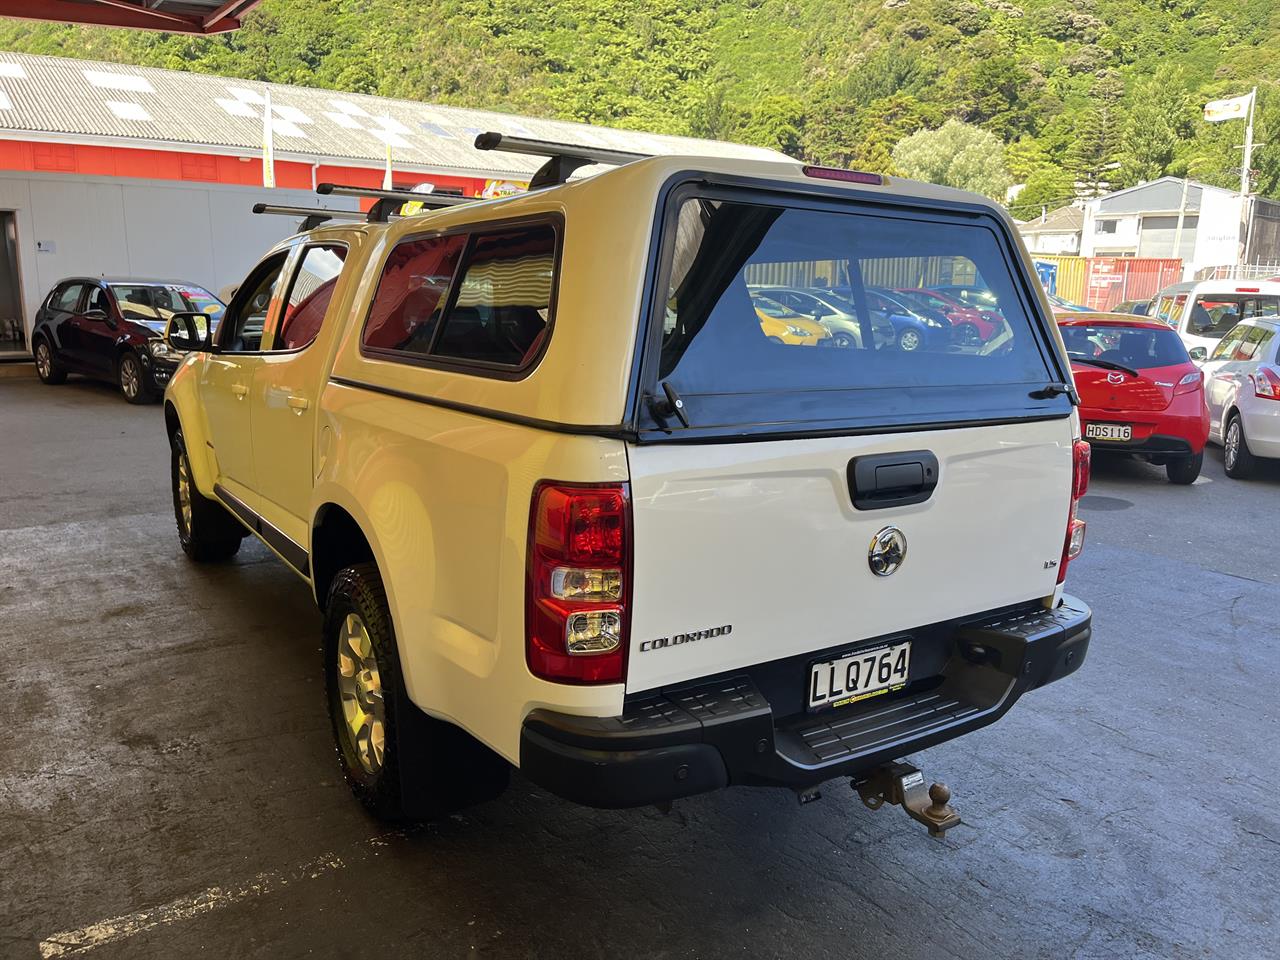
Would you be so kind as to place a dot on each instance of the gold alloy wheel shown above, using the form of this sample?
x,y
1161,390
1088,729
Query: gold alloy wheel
x,y
360,688
184,493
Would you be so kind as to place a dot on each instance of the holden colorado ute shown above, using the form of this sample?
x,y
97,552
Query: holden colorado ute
x,y
566,507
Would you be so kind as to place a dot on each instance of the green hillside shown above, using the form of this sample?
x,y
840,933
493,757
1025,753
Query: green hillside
x,y
1084,91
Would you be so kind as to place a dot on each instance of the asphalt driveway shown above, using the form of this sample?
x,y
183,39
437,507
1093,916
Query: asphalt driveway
x,y
168,786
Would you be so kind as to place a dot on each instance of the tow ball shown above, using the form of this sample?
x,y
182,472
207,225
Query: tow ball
x,y
902,784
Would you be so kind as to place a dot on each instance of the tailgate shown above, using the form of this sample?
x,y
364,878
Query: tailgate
x,y
750,552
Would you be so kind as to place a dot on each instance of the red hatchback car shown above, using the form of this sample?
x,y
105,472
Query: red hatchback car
x,y
1140,393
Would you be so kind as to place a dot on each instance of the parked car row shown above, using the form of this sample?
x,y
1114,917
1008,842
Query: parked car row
x,y
1142,394
909,318
113,330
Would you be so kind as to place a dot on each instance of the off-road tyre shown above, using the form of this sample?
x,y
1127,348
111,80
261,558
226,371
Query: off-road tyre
x,y
206,531
428,768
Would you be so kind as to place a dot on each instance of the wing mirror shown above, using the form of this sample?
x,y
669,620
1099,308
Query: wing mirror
x,y
187,331
97,314
1198,354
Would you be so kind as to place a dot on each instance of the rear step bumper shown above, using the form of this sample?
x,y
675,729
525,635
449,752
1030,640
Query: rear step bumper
x,y
682,741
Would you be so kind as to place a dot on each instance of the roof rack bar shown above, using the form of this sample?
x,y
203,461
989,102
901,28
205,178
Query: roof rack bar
x,y
548,148
562,158
428,200
314,216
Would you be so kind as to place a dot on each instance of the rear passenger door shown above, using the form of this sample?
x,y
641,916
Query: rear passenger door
x,y
285,394
62,306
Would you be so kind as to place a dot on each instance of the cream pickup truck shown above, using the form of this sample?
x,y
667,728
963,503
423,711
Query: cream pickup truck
x,y
567,507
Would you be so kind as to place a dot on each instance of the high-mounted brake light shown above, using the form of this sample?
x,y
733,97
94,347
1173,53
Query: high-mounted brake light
x,y
1074,543
1266,383
1248,289
578,582
849,176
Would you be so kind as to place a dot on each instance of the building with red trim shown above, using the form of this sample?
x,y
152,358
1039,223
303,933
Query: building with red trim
x,y
133,171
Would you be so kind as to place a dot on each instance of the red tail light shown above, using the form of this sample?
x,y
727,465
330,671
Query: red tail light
x,y
1190,383
1266,383
1074,543
578,582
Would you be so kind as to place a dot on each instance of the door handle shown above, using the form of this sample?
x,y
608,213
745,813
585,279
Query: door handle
x,y
892,479
240,390
298,404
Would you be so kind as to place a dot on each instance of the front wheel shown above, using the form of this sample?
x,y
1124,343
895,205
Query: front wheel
x,y
133,380
1236,458
1185,470
967,335
205,530
401,764
909,340
47,367
844,341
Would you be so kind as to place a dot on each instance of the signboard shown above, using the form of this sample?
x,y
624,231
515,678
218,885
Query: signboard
x,y
1048,273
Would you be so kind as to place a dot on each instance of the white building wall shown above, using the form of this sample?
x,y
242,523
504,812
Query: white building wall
x,y
102,226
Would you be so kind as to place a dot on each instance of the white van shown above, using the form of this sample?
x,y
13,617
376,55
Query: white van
x,y
1202,311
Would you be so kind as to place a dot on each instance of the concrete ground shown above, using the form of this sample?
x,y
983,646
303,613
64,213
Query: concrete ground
x,y
168,787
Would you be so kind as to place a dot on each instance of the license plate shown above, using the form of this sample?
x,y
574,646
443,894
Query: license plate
x,y
857,676
1108,431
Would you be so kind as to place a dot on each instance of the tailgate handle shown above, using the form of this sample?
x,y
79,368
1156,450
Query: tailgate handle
x,y
892,479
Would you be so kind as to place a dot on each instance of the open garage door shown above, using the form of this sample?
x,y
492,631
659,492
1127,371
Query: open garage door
x,y
172,16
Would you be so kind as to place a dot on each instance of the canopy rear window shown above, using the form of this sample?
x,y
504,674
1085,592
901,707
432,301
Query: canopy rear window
x,y
788,317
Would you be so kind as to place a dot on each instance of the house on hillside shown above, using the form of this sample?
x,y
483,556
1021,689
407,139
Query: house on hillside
x,y
1056,232
1203,225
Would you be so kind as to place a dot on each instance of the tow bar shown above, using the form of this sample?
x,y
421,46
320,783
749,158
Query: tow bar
x,y
902,784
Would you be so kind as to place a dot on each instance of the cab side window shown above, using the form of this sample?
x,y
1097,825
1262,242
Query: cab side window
x,y
309,295
241,329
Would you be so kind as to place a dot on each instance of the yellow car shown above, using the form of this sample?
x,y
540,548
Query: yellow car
x,y
783,325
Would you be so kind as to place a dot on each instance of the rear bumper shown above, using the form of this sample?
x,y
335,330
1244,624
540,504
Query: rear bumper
x,y
685,740
1159,446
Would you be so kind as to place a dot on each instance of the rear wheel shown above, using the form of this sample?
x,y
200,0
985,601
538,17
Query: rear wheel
x,y
47,367
133,379
401,764
1184,470
1236,458
205,529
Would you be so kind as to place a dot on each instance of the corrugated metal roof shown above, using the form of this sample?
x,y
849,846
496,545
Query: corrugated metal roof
x,y
87,99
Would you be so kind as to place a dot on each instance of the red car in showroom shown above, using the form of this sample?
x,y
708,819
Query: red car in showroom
x,y
1140,394
972,324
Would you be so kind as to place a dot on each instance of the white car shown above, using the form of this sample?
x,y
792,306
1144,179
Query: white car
x,y
1203,311
1242,387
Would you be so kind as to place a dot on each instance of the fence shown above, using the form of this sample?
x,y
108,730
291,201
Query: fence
x,y
1267,270
1101,283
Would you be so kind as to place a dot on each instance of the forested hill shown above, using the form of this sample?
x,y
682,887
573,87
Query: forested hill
x,y
1078,90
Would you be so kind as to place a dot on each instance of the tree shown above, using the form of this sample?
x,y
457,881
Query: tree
x,y
842,135
1048,187
1155,128
776,122
955,155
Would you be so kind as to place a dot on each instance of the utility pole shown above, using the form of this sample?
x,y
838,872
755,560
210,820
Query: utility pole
x,y
1182,213
1246,164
